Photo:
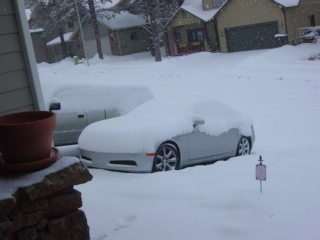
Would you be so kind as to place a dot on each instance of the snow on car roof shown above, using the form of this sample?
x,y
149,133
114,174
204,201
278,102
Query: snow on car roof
x,y
159,120
112,98
288,3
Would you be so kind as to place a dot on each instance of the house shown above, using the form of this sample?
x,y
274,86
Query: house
x,y
19,81
54,50
193,28
46,45
120,35
257,24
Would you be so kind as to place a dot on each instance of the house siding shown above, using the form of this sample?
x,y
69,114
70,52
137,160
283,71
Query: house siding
x,y
90,41
238,13
15,91
128,45
298,17
39,45
12,86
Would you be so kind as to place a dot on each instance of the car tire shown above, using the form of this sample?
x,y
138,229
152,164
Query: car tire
x,y
244,146
167,158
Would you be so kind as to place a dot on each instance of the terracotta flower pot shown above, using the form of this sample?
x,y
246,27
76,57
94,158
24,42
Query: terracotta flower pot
x,y
26,136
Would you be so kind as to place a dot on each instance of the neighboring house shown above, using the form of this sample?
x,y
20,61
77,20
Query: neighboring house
x,y
46,45
54,50
192,28
120,35
257,24
19,81
39,45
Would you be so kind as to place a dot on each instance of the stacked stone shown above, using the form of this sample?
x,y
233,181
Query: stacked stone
x,y
47,210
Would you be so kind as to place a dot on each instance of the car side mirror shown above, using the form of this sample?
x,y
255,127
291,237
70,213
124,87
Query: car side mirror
x,y
55,106
198,122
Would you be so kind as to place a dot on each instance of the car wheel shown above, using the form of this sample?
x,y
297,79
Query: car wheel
x,y
166,158
244,146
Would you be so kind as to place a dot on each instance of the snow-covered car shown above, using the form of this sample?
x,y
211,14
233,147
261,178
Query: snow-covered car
x,y
78,106
167,134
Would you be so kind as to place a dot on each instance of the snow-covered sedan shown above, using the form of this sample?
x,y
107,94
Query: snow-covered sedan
x,y
77,106
162,135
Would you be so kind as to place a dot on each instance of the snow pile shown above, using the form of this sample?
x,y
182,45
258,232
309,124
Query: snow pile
x,y
286,60
288,3
85,97
158,120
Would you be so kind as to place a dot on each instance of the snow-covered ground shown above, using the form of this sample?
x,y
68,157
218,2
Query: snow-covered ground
x,y
278,88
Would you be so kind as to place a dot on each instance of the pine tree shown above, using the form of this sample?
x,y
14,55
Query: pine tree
x,y
156,14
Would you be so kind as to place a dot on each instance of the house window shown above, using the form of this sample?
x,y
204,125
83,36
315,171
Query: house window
x,y
177,35
312,20
70,24
195,35
133,35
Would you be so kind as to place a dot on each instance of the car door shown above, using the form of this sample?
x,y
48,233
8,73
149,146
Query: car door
x,y
203,147
229,142
69,127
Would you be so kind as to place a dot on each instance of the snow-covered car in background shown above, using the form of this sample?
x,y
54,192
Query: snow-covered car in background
x,y
78,106
167,134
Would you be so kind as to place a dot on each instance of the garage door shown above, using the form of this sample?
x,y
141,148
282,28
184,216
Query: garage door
x,y
251,37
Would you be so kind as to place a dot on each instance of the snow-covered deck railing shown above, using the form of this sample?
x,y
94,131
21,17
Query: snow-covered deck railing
x,y
43,204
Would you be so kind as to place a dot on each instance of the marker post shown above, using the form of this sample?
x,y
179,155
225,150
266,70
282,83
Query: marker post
x,y
261,172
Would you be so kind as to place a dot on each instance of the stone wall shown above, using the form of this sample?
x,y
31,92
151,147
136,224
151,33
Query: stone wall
x,y
48,209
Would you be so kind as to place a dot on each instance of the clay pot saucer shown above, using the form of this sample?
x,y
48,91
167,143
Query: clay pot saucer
x,y
30,166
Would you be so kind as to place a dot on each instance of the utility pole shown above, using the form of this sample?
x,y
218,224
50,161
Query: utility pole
x,y
81,33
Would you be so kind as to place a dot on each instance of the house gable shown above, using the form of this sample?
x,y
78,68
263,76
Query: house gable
x,y
183,18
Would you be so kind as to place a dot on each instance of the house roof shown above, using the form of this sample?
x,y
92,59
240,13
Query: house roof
x,y
123,19
67,37
36,30
195,8
288,3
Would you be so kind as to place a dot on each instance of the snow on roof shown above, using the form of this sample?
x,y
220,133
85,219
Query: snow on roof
x,y
195,7
288,3
123,20
106,5
67,37
28,13
35,30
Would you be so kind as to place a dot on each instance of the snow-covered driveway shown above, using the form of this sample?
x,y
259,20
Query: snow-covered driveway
x,y
278,88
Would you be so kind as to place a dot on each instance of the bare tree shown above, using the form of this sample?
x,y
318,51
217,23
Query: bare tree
x,y
156,14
